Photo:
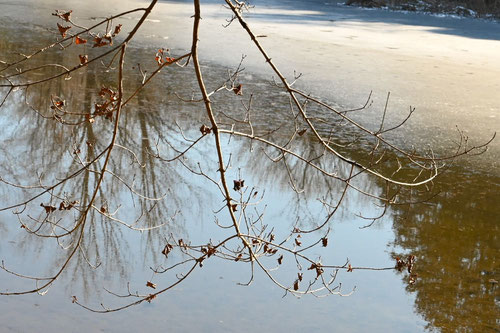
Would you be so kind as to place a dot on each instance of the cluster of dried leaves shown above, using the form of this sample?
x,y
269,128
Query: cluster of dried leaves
x,y
63,205
409,263
98,39
163,56
106,106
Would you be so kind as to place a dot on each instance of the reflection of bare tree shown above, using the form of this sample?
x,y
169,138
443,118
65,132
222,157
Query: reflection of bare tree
x,y
118,155
268,174
60,149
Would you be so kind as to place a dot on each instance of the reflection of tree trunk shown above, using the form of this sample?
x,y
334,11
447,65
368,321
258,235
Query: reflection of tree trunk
x,y
145,147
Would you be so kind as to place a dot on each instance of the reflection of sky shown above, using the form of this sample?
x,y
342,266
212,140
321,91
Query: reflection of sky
x,y
212,297
210,300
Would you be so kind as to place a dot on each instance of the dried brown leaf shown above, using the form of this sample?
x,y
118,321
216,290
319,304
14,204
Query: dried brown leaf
x,y
238,184
238,90
83,59
211,250
317,268
118,28
319,271
63,30
99,42
79,40
48,208
64,205
66,16
167,249
106,92
205,130
200,261
108,38
410,262
150,298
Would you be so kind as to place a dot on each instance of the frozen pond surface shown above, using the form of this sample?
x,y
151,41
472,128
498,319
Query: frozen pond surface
x,y
447,68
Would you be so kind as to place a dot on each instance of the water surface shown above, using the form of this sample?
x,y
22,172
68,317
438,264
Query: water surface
x,y
454,236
